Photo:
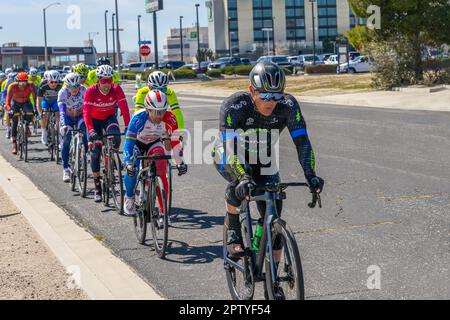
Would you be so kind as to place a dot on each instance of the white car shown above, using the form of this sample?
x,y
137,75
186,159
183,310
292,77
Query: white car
x,y
359,64
333,59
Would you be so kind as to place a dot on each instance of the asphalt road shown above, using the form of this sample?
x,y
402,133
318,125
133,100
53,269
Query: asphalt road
x,y
386,204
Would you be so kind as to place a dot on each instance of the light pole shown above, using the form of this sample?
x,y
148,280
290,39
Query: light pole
x,y
118,40
229,37
181,38
198,37
114,39
139,35
273,36
268,30
155,36
314,31
45,31
106,31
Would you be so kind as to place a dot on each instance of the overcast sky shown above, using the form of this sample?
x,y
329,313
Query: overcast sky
x,y
22,21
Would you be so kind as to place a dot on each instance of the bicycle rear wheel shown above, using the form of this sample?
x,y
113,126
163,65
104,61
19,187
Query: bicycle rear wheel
x,y
73,164
25,143
51,141
82,170
286,283
142,209
240,282
20,140
56,145
159,222
116,180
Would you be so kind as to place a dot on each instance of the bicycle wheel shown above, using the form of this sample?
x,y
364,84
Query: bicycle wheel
x,y
142,209
56,145
116,180
73,162
50,141
159,223
287,282
20,140
169,192
105,180
240,282
25,143
82,169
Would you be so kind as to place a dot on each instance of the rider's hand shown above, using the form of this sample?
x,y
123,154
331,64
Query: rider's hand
x,y
63,130
242,189
182,169
93,136
315,184
131,169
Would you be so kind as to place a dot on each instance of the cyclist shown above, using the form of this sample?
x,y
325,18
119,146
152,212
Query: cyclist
x,y
70,103
159,81
47,98
99,110
11,78
257,115
82,70
18,98
34,77
145,135
2,78
92,75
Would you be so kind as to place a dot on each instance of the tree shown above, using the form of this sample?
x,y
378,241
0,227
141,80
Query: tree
x,y
418,23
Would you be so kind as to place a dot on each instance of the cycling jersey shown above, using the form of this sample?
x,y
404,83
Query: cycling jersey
x,y
100,107
146,132
20,96
48,94
70,106
5,86
92,78
37,81
171,97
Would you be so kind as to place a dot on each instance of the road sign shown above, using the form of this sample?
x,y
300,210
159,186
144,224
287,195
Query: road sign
x,y
145,51
193,35
145,42
153,5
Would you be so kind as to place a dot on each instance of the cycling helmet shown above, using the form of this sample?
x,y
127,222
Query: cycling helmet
x,y
8,71
103,61
156,100
104,71
53,75
72,79
22,76
267,77
33,72
158,80
81,69
2,76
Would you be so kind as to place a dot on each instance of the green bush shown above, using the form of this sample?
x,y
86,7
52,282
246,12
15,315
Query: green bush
x,y
229,71
184,73
321,68
243,70
214,73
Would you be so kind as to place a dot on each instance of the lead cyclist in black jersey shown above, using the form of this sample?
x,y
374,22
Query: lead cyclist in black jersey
x,y
249,122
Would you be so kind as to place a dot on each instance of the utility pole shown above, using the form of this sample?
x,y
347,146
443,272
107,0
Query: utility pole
x,y
181,38
106,31
314,31
139,35
119,57
114,39
198,38
45,32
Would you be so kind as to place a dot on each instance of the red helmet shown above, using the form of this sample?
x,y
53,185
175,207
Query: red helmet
x,y
22,76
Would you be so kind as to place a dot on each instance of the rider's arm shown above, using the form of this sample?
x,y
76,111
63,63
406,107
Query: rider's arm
x,y
140,97
123,105
9,95
135,126
87,110
175,108
297,127
62,109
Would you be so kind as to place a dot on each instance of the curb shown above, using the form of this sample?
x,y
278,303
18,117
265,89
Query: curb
x,y
90,265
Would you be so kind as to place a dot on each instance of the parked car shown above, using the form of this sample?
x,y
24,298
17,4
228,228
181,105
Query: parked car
x,y
246,62
325,56
333,59
141,66
171,64
224,62
282,61
353,55
359,64
307,59
203,67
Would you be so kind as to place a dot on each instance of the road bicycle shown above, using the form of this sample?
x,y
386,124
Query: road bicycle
x,y
22,137
283,279
53,135
78,162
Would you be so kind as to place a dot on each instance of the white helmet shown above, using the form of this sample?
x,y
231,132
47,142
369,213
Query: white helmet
x,y
72,79
33,72
104,71
53,75
156,100
8,71
158,80
2,76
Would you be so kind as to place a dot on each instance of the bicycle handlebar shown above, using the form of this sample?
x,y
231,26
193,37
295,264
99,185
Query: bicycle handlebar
x,y
155,157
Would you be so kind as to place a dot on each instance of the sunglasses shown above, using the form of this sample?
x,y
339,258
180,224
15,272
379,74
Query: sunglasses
x,y
105,81
22,81
53,82
73,86
159,113
268,96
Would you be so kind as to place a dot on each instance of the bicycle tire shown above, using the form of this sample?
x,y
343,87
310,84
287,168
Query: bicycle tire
x,y
20,141
105,180
232,275
142,208
51,142
73,164
116,181
56,145
160,242
169,193
280,230
25,144
82,170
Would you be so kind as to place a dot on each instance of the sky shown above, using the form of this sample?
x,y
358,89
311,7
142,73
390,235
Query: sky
x,y
64,29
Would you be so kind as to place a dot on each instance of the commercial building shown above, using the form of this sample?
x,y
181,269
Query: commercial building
x,y
248,26
172,44
14,55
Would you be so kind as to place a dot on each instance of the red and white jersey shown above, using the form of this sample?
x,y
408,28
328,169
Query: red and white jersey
x,y
148,132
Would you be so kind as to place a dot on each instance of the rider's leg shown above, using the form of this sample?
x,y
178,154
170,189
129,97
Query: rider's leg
x,y
15,123
112,127
44,119
66,148
96,150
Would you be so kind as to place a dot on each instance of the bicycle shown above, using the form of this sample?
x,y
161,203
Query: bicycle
x,y
78,162
147,205
22,137
53,135
256,258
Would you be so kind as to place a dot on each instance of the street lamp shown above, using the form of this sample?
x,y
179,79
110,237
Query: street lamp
x,y
314,31
181,38
139,35
45,31
118,41
229,37
268,30
114,38
198,37
106,31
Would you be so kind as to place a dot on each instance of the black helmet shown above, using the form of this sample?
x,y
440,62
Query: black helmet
x,y
103,61
268,77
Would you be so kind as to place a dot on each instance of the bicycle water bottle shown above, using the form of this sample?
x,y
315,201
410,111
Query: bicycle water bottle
x,y
106,161
258,235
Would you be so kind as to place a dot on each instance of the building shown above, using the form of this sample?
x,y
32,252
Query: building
x,y
14,55
172,44
240,24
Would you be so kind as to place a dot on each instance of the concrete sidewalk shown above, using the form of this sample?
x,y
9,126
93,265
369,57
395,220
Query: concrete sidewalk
x,y
92,266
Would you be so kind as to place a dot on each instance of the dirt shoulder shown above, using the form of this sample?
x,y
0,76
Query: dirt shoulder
x,y
28,269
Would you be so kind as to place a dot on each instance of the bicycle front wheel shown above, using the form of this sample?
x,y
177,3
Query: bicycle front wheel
x,y
20,141
116,180
82,170
159,217
284,279
169,192
142,209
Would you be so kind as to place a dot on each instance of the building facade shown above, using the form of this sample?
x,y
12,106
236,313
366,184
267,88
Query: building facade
x,y
14,55
248,26
172,44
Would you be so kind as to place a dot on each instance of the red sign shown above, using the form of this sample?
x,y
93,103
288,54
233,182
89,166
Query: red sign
x,y
145,51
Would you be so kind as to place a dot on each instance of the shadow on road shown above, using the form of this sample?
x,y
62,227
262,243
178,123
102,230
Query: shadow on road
x,y
194,219
184,254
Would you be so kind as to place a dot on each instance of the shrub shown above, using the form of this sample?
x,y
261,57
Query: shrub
x,y
214,73
243,70
229,71
184,73
320,68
